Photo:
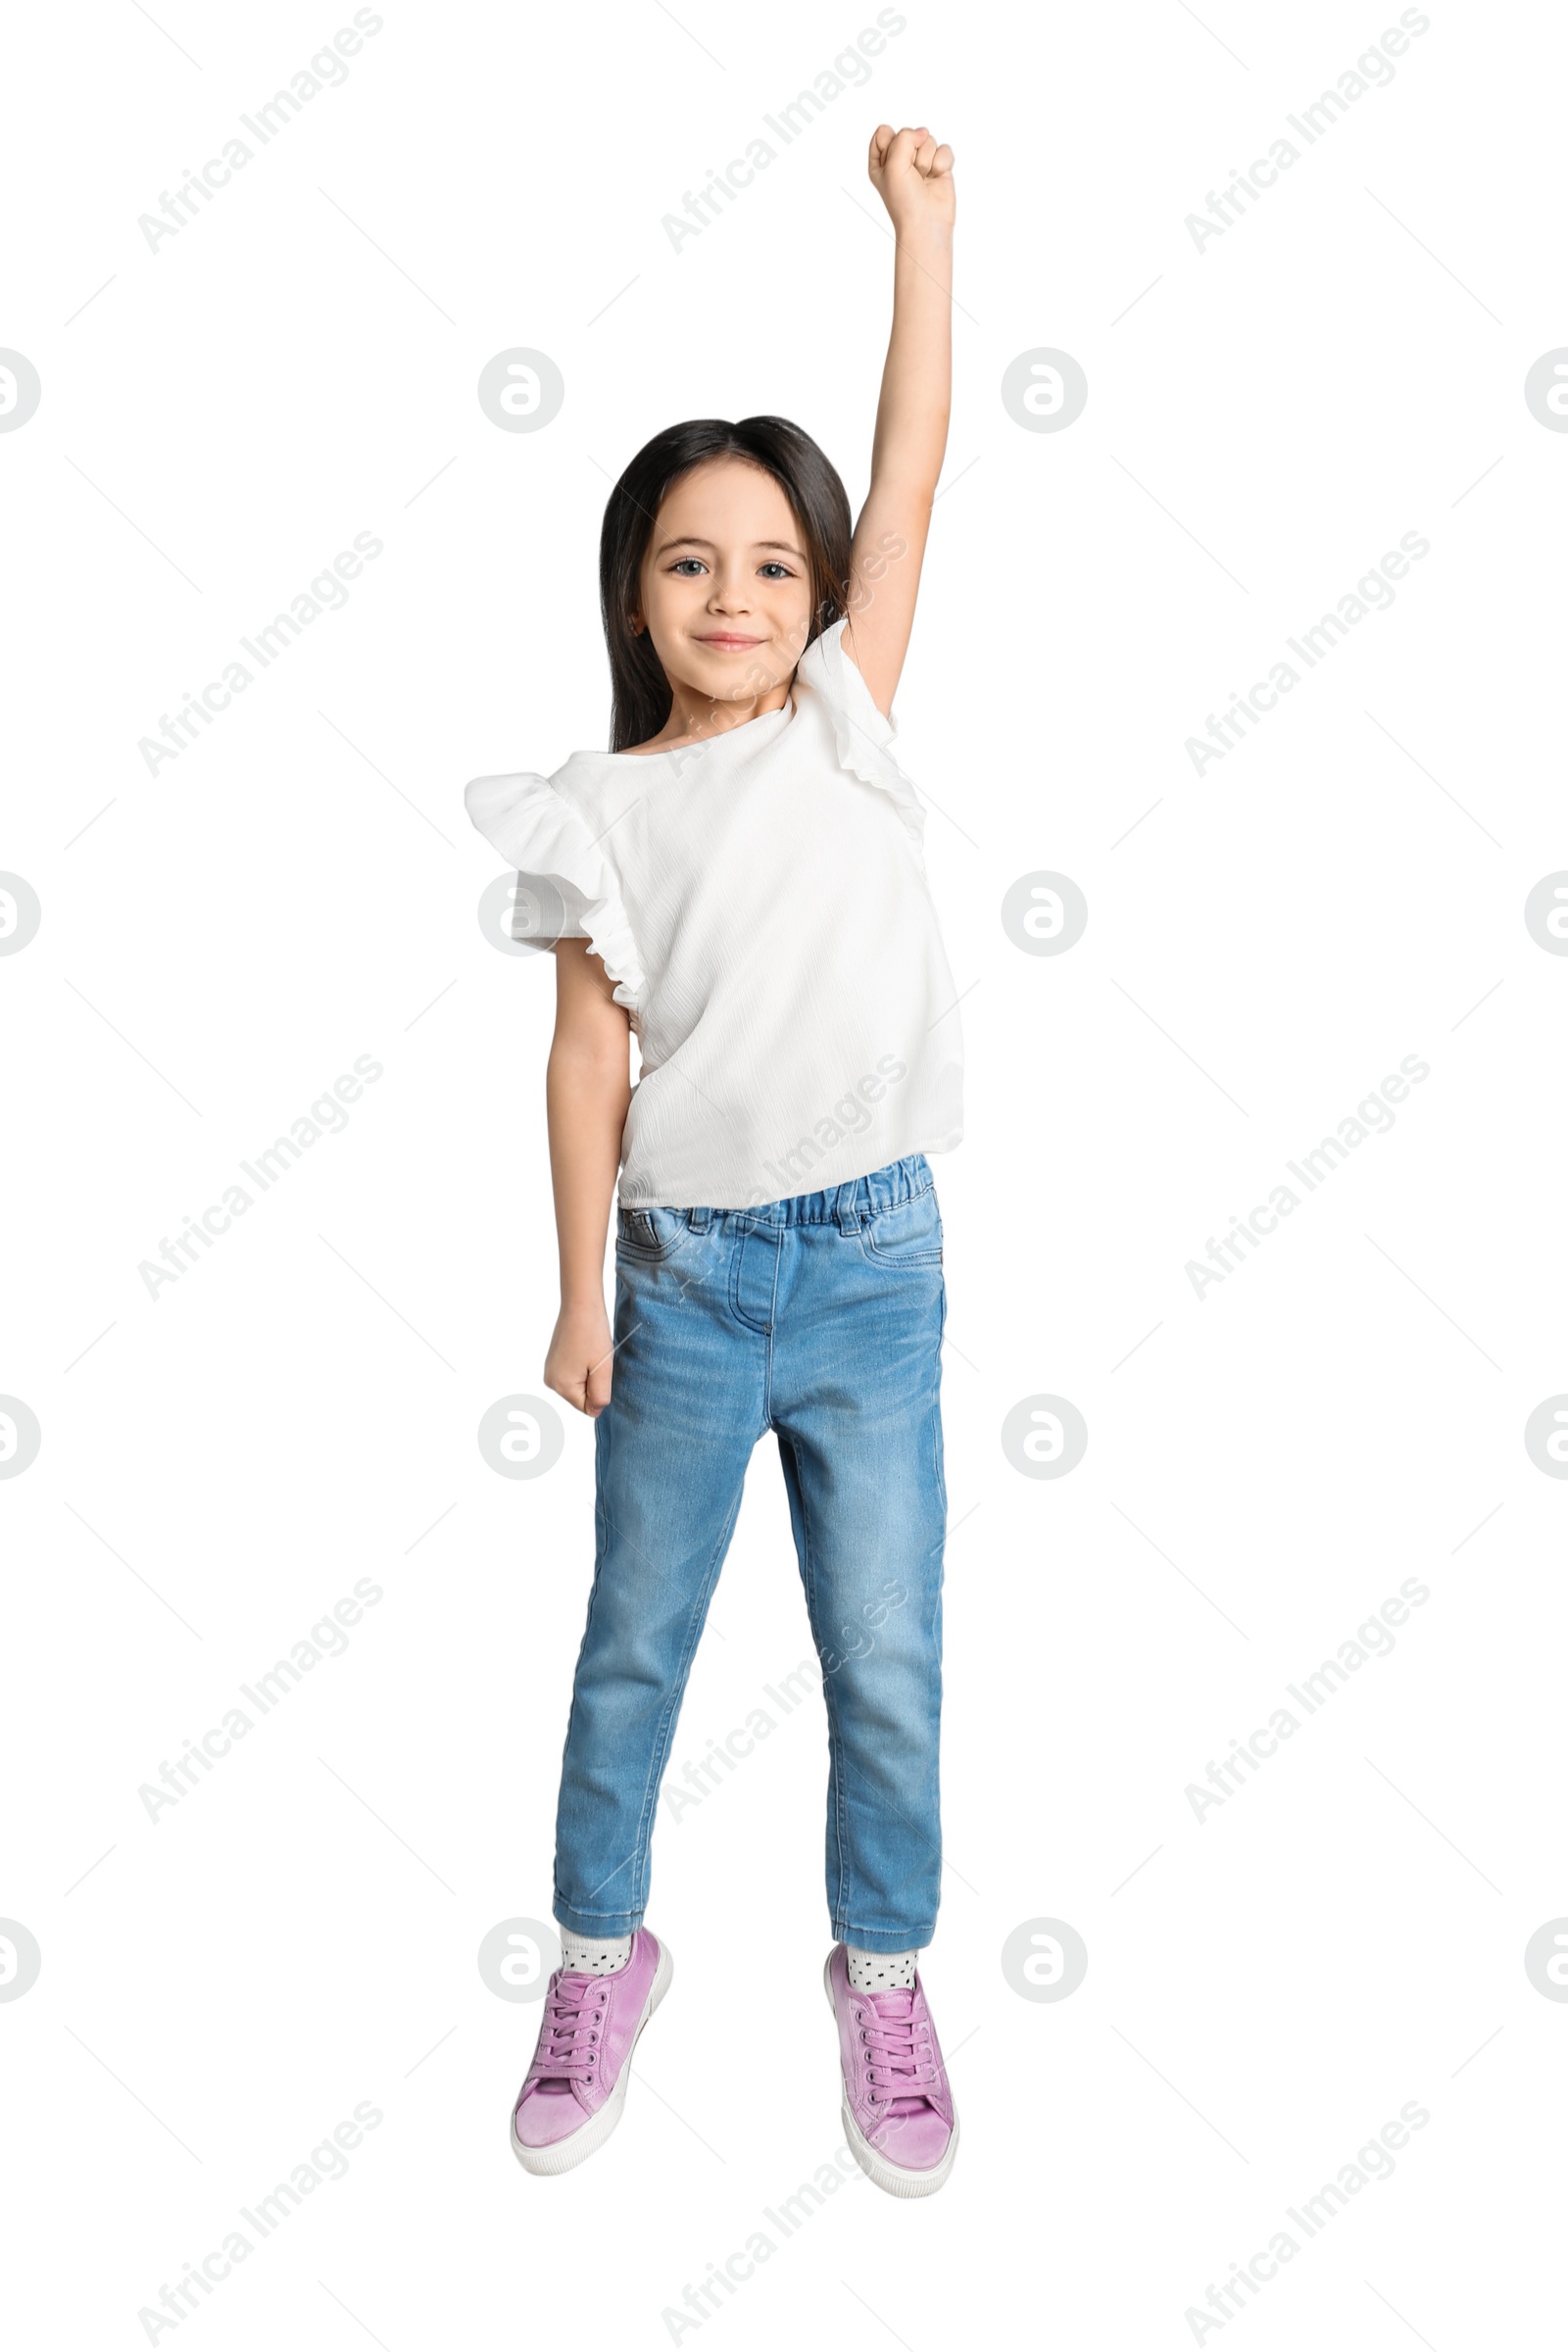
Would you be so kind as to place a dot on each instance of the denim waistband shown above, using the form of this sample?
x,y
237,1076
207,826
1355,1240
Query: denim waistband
x,y
883,1188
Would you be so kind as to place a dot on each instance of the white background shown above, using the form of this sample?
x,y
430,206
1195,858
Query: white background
x,y
219,941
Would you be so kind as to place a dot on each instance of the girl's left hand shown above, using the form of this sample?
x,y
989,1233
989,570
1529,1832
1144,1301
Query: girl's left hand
x,y
913,175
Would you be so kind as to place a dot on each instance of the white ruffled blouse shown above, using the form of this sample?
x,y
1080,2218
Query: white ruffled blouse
x,y
760,903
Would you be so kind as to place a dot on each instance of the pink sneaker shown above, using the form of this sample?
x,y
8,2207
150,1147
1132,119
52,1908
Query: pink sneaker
x,y
897,2107
573,2096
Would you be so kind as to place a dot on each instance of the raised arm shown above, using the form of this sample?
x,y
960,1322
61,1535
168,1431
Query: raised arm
x,y
913,176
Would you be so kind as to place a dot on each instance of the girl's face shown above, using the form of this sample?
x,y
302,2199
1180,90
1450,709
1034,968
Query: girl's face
x,y
726,585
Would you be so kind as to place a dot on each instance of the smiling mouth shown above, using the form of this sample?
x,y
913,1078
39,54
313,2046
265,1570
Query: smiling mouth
x,y
725,642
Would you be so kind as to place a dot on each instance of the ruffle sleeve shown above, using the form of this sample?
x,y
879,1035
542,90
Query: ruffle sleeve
x,y
860,729
539,833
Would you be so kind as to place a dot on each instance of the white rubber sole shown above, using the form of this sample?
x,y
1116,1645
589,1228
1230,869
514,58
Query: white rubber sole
x,y
896,2179
566,2154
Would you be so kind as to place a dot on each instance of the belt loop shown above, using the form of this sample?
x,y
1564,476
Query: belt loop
x,y
844,1206
697,1219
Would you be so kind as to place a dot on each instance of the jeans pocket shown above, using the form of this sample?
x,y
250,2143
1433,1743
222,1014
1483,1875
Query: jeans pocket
x,y
647,1235
909,1234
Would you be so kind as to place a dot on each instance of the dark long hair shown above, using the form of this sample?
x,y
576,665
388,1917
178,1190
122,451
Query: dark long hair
x,y
642,692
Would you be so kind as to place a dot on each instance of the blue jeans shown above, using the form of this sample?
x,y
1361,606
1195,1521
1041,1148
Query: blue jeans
x,y
820,1319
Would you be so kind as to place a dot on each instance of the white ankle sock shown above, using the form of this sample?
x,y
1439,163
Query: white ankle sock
x,y
880,1971
594,1955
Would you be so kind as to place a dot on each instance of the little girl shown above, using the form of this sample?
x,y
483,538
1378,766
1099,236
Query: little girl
x,y
739,882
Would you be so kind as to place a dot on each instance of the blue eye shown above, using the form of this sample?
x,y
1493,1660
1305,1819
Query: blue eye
x,y
777,571
681,563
